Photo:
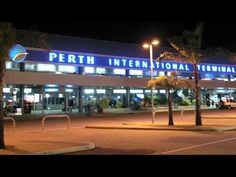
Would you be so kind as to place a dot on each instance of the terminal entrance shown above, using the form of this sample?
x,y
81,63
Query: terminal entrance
x,y
59,102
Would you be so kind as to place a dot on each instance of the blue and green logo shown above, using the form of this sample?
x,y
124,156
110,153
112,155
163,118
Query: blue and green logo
x,y
17,53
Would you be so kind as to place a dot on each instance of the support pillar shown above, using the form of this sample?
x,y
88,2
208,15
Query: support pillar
x,y
80,94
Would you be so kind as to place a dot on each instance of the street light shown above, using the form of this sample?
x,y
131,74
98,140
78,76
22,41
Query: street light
x,y
150,46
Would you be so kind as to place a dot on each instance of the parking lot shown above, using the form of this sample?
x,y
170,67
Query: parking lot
x,y
133,142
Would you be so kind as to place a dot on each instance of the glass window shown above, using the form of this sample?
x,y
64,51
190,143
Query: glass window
x,y
100,70
66,68
89,91
161,73
135,72
89,70
136,91
12,65
100,91
119,91
30,66
119,71
147,73
46,67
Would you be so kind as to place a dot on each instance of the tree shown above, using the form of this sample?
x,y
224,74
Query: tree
x,y
8,37
188,47
32,39
7,40
169,83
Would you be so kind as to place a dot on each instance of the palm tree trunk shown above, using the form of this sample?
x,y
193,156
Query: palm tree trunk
x,y
169,97
2,67
198,118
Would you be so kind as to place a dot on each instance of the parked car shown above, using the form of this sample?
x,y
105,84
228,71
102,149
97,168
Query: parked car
x,y
229,104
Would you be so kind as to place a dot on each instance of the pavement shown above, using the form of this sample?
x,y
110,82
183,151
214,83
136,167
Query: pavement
x,y
37,143
85,133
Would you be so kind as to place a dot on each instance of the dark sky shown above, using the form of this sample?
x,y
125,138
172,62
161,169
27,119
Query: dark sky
x,y
216,34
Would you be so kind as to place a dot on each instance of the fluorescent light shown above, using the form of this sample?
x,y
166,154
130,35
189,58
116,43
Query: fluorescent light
x,y
46,67
51,85
69,90
8,65
149,91
89,69
135,72
119,71
162,91
51,89
68,69
136,91
6,90
119,91
89,91
100,91
60,95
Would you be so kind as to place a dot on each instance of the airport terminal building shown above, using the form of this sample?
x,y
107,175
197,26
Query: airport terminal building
x,y
77,71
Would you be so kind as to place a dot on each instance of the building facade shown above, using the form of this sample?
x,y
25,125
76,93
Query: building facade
x,y
76,72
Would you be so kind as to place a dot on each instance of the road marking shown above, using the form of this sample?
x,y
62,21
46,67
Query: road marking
x,y
195,146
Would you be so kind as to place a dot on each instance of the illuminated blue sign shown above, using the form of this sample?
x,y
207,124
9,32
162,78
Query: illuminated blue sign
x,y
17,53
71,58
126,63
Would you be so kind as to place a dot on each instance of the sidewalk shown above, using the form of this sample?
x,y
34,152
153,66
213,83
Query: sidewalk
x,y
109,112
48,143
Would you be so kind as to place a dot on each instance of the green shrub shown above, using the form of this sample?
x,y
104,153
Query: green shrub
x,y
103,103
160,99
119,104
185,103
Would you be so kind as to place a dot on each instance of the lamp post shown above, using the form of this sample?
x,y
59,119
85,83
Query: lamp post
x,y
150,46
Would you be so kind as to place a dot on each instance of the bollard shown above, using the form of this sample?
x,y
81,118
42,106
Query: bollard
x,y
182,114
13,122
55,116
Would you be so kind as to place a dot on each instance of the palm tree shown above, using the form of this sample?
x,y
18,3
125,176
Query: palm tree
x,y
169,83
188,48
7,40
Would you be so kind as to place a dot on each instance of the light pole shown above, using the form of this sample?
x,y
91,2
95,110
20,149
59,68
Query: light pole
x,y
150,46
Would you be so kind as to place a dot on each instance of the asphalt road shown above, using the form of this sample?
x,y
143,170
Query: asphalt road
x,y
138,142
144,142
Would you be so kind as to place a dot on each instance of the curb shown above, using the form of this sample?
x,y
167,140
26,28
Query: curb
x,y
219,117
153,128
89,146
226,129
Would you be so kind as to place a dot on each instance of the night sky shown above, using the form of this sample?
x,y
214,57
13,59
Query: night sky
x,y
216,34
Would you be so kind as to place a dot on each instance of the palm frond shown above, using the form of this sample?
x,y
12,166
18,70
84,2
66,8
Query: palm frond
x,y
172,57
